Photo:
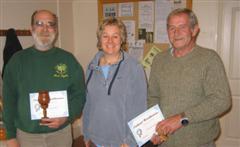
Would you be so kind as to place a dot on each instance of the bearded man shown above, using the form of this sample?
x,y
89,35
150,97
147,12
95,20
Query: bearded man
x,y
42,67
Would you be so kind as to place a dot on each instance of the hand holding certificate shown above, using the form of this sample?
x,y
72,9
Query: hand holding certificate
x,y
143,126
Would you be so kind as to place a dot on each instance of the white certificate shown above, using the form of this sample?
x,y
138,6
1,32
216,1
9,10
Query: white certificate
x,y
143,126
57,107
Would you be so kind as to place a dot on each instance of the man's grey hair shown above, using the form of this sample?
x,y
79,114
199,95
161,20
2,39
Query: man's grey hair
x,y
192,17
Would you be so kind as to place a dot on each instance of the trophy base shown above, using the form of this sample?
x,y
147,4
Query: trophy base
x,y
44,121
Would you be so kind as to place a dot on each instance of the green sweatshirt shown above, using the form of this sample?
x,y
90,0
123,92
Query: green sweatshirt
x,y
195,84
30,71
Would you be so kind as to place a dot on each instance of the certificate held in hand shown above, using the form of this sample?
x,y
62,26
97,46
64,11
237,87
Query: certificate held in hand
x,y
143,126
57,106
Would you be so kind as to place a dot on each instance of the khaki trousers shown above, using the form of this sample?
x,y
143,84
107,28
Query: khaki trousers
x,y
61,138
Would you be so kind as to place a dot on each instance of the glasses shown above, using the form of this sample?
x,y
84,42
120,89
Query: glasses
x,y
49,24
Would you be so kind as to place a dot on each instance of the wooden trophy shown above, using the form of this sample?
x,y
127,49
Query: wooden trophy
x,y
44,99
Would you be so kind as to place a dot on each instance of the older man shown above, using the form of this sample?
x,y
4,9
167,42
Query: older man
x,y
190,85
41,67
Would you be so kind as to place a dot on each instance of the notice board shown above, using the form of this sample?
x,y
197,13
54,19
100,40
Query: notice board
x,y
145,21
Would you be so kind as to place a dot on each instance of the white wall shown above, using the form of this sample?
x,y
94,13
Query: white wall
x,y
85,26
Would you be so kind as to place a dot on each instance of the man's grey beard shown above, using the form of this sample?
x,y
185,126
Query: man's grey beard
x,y
44,44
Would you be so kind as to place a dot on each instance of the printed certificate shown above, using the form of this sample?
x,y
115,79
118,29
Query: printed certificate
x,y
57,107
143,126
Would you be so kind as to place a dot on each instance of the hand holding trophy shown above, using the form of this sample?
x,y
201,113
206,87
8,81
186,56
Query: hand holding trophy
x,y
44,99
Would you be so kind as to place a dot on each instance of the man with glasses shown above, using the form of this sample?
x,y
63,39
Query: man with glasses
x,y
42,67
190,85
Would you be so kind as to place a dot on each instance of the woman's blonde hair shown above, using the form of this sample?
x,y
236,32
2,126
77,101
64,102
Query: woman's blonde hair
x,y
111,21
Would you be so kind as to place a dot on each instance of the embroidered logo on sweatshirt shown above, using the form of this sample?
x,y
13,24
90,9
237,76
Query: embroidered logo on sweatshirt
x,y
61,71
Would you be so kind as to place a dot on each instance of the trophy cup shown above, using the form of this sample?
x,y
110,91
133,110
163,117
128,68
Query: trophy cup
x,y
44,99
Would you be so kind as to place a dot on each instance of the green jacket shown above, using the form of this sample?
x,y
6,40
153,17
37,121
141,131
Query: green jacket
x,y
30,71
